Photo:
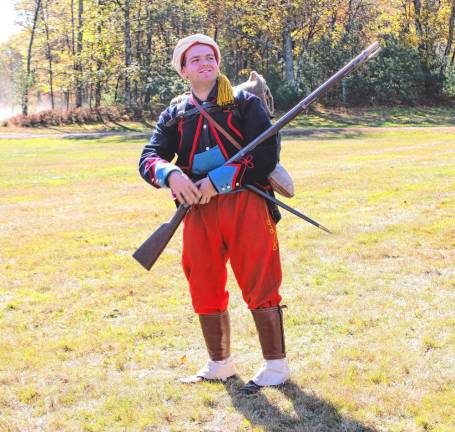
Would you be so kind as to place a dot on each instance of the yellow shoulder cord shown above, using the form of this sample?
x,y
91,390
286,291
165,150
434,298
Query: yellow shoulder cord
x,y
225,91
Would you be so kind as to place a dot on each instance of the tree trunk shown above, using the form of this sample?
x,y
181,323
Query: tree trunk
x,y
288,56
99,62
73,49
448,48
139,55
450,35
119,77
299,74
127,54
66,96
418,24
148,58
430,91
78,63
45,18
28,76
98,85
306,44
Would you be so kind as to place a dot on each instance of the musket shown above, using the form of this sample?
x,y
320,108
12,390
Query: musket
x,y
151,249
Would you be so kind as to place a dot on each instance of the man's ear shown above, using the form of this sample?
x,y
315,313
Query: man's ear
x,y
183,72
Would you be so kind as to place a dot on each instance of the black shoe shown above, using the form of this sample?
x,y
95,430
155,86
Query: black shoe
x,y
250,388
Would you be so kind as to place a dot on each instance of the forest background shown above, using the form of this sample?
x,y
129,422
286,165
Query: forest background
x,y
86,54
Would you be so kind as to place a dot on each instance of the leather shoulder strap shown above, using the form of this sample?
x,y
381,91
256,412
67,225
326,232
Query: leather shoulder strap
x,y
214,123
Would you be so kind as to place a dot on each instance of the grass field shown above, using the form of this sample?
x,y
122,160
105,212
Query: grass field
x,y
89,341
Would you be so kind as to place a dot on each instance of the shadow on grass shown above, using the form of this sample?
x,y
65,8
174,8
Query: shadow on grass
x,y
377,117
311,413
325,134
119,135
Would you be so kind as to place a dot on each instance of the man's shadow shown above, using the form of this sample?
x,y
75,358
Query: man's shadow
x,y
311,413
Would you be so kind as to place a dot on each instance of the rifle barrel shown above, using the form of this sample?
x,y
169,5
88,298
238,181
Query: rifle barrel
x,y
151,249
355,63
288,208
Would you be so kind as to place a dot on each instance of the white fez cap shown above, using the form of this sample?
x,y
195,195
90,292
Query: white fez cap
x,y
184,44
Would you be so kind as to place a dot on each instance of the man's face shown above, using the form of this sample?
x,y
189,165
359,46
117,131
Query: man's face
x,y
200,64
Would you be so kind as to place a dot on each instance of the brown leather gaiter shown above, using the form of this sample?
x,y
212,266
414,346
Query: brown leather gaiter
x,y
269,324
217,334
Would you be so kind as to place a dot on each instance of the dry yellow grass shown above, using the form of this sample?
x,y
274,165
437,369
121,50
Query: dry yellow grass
x,y
90,341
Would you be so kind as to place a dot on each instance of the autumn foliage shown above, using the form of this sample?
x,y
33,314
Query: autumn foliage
x,y
93,53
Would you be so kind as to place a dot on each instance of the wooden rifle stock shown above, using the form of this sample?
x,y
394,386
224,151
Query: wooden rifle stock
x,y
152,248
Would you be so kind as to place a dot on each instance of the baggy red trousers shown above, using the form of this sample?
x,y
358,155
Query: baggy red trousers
x,y
235,226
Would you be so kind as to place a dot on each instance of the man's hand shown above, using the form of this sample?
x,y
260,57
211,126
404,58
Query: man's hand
x,y
207,190
183,188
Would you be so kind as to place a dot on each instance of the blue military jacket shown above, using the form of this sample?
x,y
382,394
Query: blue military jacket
x,y
200,150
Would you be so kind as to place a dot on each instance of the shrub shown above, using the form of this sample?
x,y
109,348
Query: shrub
x,y
394,77
449,83
48,118
287,94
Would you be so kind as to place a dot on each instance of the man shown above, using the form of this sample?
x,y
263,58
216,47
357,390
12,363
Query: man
x,y
225,221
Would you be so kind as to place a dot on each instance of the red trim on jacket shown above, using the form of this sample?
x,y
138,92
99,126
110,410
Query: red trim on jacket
x,y
180,131
150,167
229,122
234,177
195,140
219,142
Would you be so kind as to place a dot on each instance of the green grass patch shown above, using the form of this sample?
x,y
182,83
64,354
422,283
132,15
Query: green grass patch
x,y
90,341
